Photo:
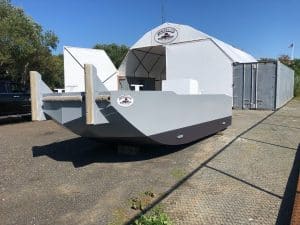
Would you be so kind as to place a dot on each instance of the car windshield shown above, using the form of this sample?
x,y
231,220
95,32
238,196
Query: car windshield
x,y
14,88
2,88
9,87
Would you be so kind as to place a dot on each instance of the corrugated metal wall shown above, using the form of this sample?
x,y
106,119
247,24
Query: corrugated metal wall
x,y
262,85
285,80
238,87
266,85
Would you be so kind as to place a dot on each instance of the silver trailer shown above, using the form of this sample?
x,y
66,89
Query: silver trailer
x,y
262,85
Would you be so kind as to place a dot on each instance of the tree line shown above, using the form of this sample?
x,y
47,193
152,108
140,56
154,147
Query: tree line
x,y
26,46
292,63
295,65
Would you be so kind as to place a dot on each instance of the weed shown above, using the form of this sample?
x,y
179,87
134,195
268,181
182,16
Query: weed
x,y
140,203
178,173
155,217
119,218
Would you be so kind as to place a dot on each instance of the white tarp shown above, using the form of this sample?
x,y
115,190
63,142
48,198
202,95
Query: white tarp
x,y
185,33
174,52
74,60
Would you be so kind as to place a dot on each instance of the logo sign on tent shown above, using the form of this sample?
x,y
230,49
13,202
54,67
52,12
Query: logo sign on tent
x,y
166,35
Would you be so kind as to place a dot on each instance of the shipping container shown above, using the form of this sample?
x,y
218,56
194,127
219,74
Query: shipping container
x,y
262,85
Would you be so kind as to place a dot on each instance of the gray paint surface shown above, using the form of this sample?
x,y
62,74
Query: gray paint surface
x,y
238,79
152,113
179,119
264,85
155,112
63,112
247,88
285,80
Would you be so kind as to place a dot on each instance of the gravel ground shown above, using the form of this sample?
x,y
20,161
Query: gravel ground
x,y
246,183
51,176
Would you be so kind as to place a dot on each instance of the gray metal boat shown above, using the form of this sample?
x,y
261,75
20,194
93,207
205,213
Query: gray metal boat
x,y
151,117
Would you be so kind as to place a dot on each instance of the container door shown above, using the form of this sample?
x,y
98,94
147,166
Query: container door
x,y
247,86
237,86
266,85
254,86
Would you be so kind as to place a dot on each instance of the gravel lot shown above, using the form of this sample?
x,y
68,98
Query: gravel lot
x,y
51,176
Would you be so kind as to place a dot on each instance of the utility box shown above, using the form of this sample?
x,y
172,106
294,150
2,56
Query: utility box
x,y
262,85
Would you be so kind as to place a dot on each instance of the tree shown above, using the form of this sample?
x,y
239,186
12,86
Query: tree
x,y
114,51
24,46
266,60
295,65
285,59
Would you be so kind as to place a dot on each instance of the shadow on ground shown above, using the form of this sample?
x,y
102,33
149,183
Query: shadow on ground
x,y
83,151
14,119
286,207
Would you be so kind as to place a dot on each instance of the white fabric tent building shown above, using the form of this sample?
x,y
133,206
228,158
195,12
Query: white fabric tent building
x,y
174,57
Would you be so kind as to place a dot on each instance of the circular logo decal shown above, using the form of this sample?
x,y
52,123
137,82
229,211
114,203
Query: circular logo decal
x,y
166,35
125,100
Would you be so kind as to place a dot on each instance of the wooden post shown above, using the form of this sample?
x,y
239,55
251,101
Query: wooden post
x,y
34,93
89,94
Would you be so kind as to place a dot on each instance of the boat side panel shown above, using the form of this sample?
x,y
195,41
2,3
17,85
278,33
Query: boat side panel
x,y
154,117
158,112
117,127
63,111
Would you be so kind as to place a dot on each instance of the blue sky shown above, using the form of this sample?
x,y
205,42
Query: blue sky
x,y
264,28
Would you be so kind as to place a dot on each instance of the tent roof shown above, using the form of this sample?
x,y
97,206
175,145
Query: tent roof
x,y
185,33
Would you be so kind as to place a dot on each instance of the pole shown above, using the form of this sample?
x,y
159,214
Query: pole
x,y
292,51
162,12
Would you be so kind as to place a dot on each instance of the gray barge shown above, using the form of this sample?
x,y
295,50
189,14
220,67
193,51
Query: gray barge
x,y
151,117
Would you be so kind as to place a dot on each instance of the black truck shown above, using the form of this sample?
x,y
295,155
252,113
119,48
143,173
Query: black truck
x,y
13,99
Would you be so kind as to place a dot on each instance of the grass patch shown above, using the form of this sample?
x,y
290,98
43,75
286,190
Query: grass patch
x,y
119,217
156,216
141,202
178,173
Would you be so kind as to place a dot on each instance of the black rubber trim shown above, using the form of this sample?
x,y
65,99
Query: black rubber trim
x,y
192,133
